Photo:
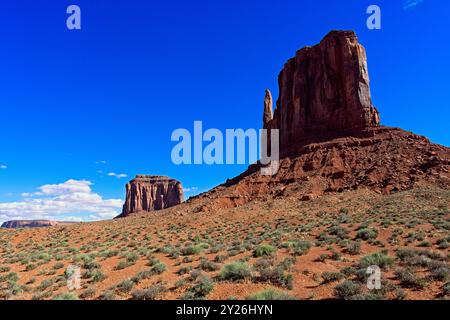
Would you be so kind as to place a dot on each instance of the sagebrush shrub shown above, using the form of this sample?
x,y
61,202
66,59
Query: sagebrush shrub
x,y
347,289
235,271
264,250
270,294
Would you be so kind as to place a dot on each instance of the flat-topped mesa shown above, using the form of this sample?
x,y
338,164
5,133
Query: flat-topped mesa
x,y
324,90
150,193
16,224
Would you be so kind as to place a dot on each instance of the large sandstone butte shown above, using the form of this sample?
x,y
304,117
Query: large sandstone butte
x,y
324,89
330,135
149,193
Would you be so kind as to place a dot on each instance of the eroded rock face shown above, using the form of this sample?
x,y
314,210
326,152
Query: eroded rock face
x,y
324,89
330,136
377,159
149,193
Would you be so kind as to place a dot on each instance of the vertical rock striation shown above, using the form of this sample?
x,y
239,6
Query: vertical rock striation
x,y
149,193
324,89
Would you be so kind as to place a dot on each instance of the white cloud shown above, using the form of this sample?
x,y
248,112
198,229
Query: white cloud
x,y
70,186
117,175
190,189
100,162
411,4
70,200
3,166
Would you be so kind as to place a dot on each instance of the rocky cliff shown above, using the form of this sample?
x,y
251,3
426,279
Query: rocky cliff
x,y
324,89
149,193
331,139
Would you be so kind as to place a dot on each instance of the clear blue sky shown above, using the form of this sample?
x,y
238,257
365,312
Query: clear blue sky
x,y
115,90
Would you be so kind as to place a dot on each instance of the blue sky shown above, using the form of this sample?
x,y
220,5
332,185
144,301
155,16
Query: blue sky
x,y
82,109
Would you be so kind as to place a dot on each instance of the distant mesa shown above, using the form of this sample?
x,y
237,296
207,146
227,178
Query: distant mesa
x,y
16,224
150,193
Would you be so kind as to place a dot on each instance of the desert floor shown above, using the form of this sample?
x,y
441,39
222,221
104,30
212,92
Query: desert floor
x,y
266,249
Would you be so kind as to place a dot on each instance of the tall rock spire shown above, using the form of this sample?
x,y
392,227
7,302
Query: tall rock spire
x,y
268,105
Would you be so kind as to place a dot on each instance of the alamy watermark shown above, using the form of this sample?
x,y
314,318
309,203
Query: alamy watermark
x,y
374,20
73,22
374,279
229,148
73,275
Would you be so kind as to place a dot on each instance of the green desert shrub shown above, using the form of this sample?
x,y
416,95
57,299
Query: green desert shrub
x,y
440,272
159,268
41,295
11,276
235,271
348,271
446,288
339,232
202,288
331,276
107,295
380,259
45,284
91,265
288,262
58,265
264,250
424,244
353,248
367,234
88,293
322,257
97,276
66,296
180,283
195,274
4,269
270,294
192,250
263,263
146,274
301,247
220,258
132,258
207,265
125,286
122,265
347,289
149,293
408,279
184,270
276,275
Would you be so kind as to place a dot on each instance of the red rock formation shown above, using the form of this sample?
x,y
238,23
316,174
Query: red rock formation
x,y
149,193
330,137
323,89
379,159
268,105
15,224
